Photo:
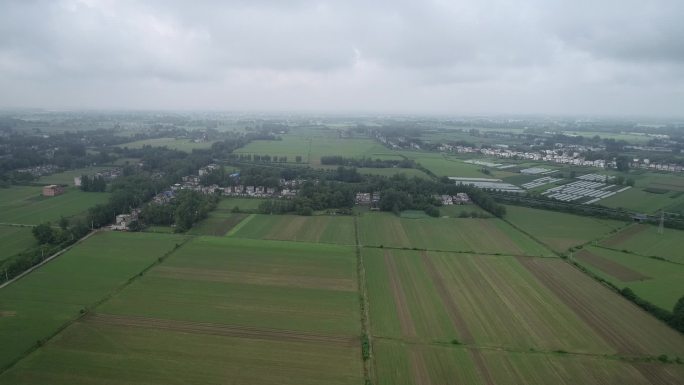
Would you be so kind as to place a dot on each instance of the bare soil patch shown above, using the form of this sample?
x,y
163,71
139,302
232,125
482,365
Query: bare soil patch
x,y
658,374
221,330
226,225
408,328
624,235
7,313
623,273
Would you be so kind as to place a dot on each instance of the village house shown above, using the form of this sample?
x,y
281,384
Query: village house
x,y
52,190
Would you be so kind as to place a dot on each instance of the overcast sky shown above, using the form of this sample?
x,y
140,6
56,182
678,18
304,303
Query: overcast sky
x,y
447,56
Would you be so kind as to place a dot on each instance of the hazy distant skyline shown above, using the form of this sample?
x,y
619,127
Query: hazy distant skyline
x,y
448,57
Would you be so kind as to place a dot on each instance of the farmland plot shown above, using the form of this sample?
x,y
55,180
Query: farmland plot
x,y
322,229
659,282
37,305
218,223
645,240
252,311
15,240
448,234
560,231
26,205
270,285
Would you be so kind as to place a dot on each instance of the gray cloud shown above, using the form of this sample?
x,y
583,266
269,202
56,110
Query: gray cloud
x,y
402,56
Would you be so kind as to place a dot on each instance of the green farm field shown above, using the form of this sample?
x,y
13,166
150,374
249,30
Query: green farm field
x,y
37,305
177,144
26,205
391,171
249,283
322,229
67,177
659,282
244,204
496,319
645,240
560,231
15,239
218,223
636,199
447,234
401,363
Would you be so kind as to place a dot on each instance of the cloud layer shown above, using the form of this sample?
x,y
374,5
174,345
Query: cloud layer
x,y
435,56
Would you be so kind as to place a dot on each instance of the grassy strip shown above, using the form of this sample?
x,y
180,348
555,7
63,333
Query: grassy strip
x,y
366,343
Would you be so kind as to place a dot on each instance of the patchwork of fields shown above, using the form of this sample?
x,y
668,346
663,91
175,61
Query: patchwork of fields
x,y
262,299
493,319
37,305
645,240
256,312
176,144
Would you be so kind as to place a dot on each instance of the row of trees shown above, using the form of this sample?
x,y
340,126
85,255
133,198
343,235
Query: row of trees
x,y
367,162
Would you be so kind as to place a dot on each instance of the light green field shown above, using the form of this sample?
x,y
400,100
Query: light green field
x,y
245,204
36,306
67,177
312,148
447,234
26,205
645,240
390,171
636,199
177,144
560,231
323,229
14,240
455,211
442,165
662,285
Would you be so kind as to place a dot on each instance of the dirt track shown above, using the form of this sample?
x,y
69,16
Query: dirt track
x,y
221,330
623,273
408,329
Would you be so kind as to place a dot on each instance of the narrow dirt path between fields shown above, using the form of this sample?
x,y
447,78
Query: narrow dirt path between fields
x,y
220,329
455,315
408,328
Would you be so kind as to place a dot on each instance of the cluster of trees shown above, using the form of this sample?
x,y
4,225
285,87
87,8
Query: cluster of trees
x,y
399,193
94,184
187,208
367,162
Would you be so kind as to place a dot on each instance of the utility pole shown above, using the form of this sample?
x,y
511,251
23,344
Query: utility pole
x,y
662,222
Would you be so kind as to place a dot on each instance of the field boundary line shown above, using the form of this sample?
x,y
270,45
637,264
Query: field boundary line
x,y
661,259
366,356
240,225
85,310
50,258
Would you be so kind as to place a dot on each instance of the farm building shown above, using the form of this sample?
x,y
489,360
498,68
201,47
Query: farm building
x,y
52,190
